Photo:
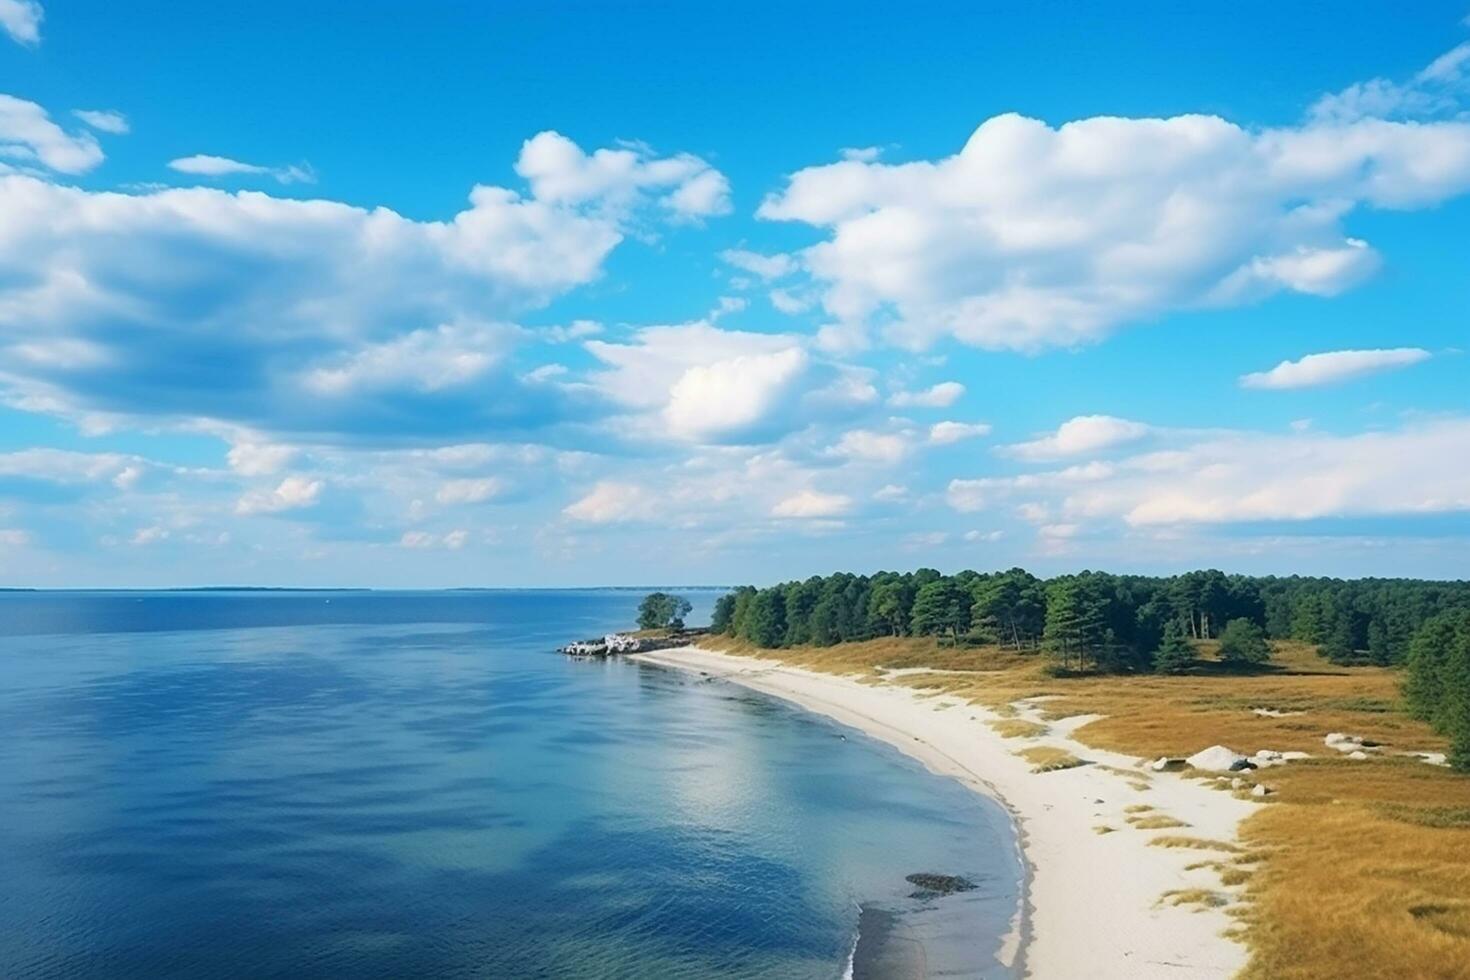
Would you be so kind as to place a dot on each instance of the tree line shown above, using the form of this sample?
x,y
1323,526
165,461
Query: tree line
x,y
1097,621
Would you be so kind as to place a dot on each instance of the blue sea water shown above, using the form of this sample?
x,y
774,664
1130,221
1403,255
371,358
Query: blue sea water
x,y
363,785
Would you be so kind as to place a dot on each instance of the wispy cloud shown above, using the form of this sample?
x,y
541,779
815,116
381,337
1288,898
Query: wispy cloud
x,y
205,165
1331,367
21,19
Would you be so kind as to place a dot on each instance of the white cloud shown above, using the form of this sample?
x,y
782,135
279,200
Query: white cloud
x,y
944,433
1333,366
13,537
873,447
968,496
891,493
424,360
292,493
205,165
1080,435
942,395
258,459
610,502
765,266
576,330
812,504
973,536
279,315
615,180
470,491
21,19
1033,236
28,139
104,120
1421,469
786,302
699,383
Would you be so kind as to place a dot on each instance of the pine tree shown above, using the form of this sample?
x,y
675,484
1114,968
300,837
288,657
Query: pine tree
x,y
1175,654
1242,642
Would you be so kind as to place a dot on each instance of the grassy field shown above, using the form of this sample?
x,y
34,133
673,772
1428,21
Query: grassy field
x,y
1353,868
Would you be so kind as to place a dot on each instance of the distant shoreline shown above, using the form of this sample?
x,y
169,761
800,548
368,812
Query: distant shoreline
x,y
1091,905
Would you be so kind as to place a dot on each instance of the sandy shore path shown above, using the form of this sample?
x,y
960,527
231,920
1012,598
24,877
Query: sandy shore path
x,y
1094,906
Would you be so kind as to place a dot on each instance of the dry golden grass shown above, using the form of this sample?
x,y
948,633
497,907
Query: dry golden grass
x,y
1045,758
1202,897
1156,821
1017,728
1104,829
1360,869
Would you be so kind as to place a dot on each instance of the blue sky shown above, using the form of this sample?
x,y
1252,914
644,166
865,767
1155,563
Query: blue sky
x,y
579,293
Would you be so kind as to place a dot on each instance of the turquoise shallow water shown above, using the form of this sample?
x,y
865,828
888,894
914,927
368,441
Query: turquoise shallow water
x,y
385,785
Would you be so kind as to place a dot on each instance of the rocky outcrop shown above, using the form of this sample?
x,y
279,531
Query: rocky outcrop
x,y
618,643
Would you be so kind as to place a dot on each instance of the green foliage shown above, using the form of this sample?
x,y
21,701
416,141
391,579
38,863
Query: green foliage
x,y
942,606
659,610
722,620
1093,620
1242,642
1175,653
1437,680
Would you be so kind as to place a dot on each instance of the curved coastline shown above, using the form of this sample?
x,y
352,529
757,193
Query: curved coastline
x,y
1091,901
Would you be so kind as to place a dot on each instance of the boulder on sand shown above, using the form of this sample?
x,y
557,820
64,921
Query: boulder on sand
x,y
1165,764
1216,758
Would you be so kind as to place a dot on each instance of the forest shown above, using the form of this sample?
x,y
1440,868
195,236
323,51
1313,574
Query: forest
x,y
1099,622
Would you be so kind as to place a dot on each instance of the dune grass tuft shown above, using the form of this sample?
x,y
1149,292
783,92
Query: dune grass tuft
x,y
1156,821
1046,758
1017,728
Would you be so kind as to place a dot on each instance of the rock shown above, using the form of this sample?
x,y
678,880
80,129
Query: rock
x,y
1165,764
1261,789
1267,755
932,885
1433,758
1240,765
1216,758
1237,783
1294,756
1343,742
1357,755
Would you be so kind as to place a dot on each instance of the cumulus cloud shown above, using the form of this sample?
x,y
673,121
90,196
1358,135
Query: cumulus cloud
x,y
615,180
29,141
205,165
1333,366
279,315
1033,236
944,433
610,502
104,120
292,493
699,383
21,19
942,395
1080,435
812,504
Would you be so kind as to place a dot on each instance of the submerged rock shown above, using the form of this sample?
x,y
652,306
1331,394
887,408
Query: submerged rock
x,y
933,885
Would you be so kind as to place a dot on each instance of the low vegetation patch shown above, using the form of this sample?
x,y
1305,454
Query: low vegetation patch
x,y
1156,821
1201,897
1045,758
1017,728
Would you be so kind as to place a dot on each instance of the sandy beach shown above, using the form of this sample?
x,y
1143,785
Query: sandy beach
x,y
1093,904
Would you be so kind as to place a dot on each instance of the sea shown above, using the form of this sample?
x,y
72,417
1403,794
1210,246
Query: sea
x,y
212,784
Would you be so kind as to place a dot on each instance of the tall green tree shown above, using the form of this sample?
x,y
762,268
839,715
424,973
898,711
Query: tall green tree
x,y
1175,653
1243,643
659,610
942,606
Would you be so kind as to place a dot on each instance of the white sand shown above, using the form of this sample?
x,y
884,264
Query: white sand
x,y
1093,908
